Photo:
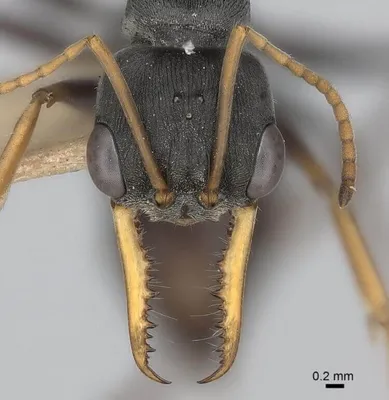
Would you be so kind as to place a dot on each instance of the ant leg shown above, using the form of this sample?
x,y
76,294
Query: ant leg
x,y
369,282
45,162
3,199
163,196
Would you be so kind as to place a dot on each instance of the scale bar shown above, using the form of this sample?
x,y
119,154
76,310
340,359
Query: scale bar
x,y
334,385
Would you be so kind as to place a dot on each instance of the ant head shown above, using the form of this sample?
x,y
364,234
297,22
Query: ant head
x,y
176,95
174,23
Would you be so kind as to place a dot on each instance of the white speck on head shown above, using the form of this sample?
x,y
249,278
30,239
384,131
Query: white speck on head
x,y
188,47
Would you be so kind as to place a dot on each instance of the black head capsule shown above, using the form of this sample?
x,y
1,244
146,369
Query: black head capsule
x,y
181,130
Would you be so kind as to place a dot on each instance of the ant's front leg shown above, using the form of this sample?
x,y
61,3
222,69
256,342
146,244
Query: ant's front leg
x,y
44,162
364,269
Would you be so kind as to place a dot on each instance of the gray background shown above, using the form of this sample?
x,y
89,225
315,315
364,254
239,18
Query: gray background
x,y
63,328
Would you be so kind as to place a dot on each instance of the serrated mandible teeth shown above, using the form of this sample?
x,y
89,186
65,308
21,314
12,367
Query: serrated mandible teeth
x,y
233,268
136,269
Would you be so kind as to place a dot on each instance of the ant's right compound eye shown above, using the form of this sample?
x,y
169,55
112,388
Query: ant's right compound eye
x,y
103,162
269,164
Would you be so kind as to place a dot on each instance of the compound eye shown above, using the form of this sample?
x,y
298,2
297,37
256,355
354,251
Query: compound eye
x,y
269,164
103,162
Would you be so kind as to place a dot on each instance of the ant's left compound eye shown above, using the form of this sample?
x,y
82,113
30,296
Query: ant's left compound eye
x,y
269,164
103,162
